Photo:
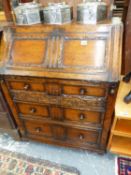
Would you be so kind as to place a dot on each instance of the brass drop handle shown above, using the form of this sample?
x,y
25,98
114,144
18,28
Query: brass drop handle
x,y
82,116
38,130
26,87
32,110
81,136
82,91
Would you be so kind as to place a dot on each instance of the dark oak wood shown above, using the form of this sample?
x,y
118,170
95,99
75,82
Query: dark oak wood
x,y
61,81
48,45
78,119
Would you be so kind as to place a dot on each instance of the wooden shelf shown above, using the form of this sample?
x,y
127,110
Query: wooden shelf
x,y
120,138
122,128
121,145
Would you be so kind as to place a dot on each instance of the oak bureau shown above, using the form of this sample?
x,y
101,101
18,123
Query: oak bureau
x,y
60,82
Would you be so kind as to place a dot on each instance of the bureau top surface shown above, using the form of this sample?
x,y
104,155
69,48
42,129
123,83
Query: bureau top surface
x,y
72,51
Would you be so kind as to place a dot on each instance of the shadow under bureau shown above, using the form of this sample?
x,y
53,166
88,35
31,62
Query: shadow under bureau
x,y
61,81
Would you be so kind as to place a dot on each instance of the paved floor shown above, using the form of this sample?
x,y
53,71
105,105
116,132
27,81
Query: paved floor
x,y
86,162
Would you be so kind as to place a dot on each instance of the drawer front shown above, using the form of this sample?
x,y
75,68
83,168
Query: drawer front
x,y
84,90
37,128
83,136
45,130
32,109
62,133
83,117
27,86
60,114
58,87
75,116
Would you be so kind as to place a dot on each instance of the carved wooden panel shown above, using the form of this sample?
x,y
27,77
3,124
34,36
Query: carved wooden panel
x,y
53,50
53,89
83,48
59,132
76,102
67,51
22,52
56,113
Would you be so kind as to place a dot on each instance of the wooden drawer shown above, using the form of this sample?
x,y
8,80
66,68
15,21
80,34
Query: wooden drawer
x,y
27,86
32,109
83,117
60,114
84,90
45,130
75,116
62,133
58,87
38,128
83,136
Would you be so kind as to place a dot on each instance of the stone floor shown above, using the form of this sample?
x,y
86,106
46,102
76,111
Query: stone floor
x,y
86,162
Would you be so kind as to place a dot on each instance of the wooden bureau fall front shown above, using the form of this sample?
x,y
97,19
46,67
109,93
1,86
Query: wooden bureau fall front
x,y
60,82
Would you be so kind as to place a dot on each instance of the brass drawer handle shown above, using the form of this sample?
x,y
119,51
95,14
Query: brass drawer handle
x,y
82,116
32,110
26,87
38,130
82,91
81,136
